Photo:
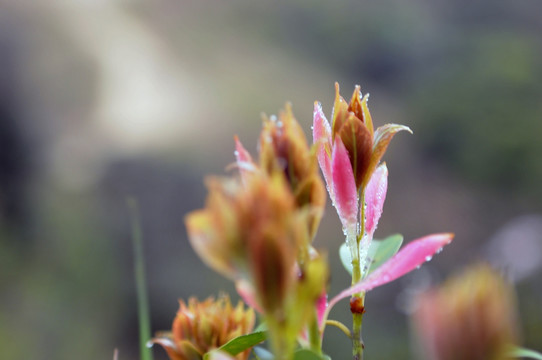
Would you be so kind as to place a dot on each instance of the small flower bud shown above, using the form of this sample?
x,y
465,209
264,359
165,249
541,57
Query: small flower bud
x,y
471,317
284,148
200,327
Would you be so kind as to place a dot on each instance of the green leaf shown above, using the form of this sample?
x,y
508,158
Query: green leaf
x,y
381,250
346,258
241,343
308,354
261,327
525,353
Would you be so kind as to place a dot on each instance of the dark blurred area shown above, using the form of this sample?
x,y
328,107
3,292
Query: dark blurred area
x,y
102,100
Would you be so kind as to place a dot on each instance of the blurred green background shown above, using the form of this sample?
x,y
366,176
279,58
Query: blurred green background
x,y
100,100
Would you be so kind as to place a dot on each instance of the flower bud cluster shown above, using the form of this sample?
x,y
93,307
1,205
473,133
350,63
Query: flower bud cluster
x,y
257,229
200,327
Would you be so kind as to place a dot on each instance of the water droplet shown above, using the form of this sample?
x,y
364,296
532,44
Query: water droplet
x,y
428,258
419,266
236,153
439,251
273,118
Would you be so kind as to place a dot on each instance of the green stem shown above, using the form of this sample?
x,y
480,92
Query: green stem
x,y
315,340
357,302
357,307
141,285
280,337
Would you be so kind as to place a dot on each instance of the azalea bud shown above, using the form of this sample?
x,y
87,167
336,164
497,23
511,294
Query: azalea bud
x,y
284,148
471,317
200,327
250,232
352,126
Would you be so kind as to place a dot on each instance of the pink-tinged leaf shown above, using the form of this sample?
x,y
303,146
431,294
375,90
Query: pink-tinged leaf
x,y
346,195
243,159
382,138
321,306
340,112
409,258
246,291
375,195
321,134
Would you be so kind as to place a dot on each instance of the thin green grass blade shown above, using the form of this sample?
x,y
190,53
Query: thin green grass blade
x,y
519,352
141,284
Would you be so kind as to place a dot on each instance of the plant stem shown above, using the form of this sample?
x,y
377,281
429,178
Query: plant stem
x,y
315,339
357,302
357,307
141,285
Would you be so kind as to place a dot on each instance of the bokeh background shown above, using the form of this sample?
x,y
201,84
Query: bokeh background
x,y
100,100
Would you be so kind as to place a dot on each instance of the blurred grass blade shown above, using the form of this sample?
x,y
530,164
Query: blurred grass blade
x,y
519,352
141,284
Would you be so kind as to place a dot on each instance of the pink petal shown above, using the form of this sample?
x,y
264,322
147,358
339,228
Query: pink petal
x,y
321,134
243,159
409,258
346,194
375,195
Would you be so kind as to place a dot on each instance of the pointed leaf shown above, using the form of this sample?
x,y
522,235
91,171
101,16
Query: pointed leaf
x,y
355,104
367,119
340,112
241,154
243,160
359,143
201,234
406,260
346,195
243,342
381,250
321,134
261,327
382,138
346,257
375,195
